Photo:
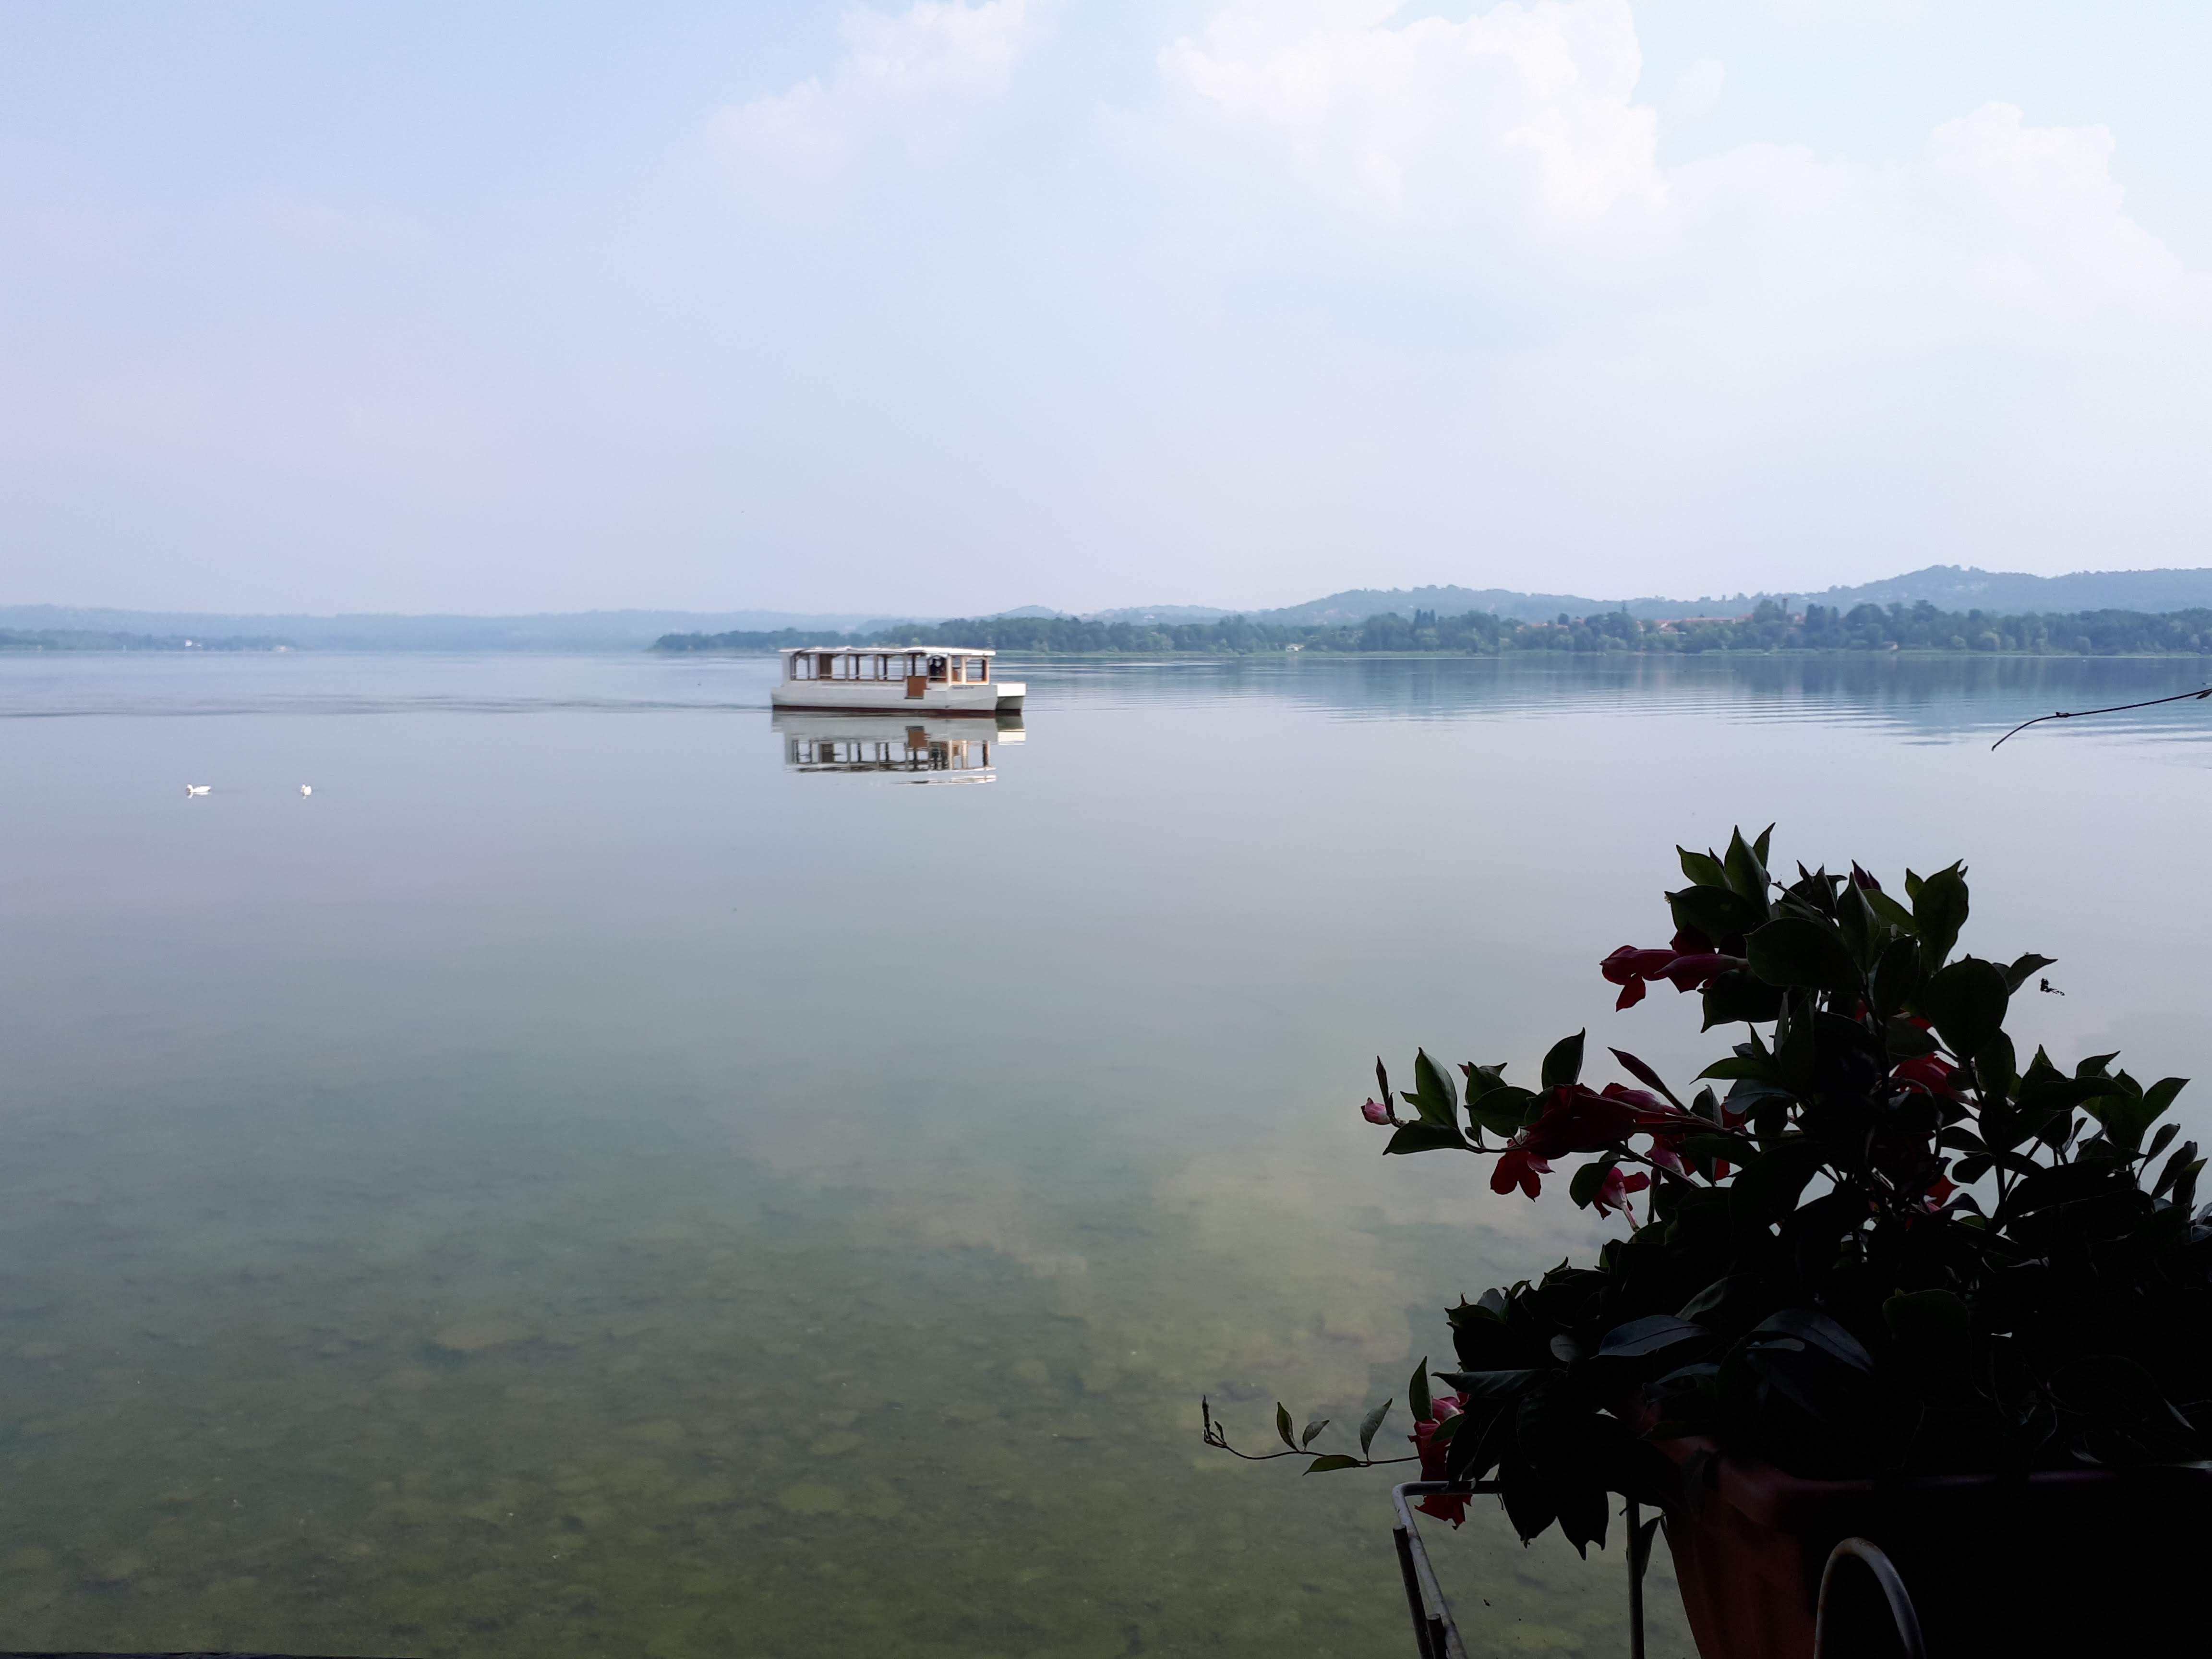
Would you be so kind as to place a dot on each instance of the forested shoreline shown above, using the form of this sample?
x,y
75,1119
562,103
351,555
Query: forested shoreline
x,y
91,638
1865,628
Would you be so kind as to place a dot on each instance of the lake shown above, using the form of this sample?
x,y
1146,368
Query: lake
x,y
582,1182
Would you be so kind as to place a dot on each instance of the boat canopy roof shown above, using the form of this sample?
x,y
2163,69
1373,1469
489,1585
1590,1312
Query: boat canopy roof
x,y
883,650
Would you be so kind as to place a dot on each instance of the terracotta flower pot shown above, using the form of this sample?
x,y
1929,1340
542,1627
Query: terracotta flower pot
x,y
2072,1563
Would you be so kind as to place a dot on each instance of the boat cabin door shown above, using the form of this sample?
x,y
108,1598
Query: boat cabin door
x,y
916,684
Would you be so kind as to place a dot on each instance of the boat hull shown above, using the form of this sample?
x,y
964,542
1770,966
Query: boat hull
x,y
889,697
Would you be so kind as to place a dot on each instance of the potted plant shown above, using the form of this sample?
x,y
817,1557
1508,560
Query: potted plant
x,y
1893,1279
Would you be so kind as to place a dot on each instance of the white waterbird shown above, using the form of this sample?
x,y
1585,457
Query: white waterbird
x,y
306,789
198,788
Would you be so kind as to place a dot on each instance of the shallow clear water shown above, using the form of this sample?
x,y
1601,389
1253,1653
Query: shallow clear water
x,y
578,1181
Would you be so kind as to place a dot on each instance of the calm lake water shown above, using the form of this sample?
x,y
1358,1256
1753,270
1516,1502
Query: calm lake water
x,y
579,1183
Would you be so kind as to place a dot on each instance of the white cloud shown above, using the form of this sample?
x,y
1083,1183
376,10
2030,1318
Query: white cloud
x,y
1698,89
905,78
2054,232
1522,122
1535,101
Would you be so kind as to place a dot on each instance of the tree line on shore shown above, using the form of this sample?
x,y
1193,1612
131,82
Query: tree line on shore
x,y
1769,626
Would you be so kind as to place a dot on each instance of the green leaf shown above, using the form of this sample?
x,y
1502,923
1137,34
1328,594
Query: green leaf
x,y
1891,911
1716,1295
1896,976
1758,846
1435,1095
2024,967
2175,1165
1939,909
1333,1461
1502,1111
1369,1424
1746,872
1715,1148
1718,913
1417,1392
2125,1114
1649,1335
1933,1320
1904,1040
2184,1188
1425,1138
1738,995
1769,1186
1861,927
1491,1385
1306,1436
1816,1330
1996,1066
1703,869
1481,1080
1759,1068
1967,1001
1564,1065
1282,1425
1792,950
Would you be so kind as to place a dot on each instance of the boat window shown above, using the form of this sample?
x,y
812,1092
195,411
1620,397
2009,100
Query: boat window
x,y
979,669
802,666
936,668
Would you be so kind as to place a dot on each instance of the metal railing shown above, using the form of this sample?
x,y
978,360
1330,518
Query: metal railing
x,y
1838,1627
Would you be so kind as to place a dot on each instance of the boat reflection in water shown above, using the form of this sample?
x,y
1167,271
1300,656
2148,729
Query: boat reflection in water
x,y
942,751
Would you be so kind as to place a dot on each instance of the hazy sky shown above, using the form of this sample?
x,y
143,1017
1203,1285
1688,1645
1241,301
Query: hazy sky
x,y
955,307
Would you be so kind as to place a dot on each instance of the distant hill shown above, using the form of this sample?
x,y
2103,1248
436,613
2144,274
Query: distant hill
x,y
1357,603
1945,586
1957,587
1159,613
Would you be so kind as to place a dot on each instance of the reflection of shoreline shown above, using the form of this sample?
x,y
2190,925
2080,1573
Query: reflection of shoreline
x,y
1939,695
931,751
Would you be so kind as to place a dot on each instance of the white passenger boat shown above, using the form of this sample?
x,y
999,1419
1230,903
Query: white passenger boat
x,y
916,680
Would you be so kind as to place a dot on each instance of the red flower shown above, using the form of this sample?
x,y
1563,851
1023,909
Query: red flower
x,y
1930,1073
1578,1119
1940,1194
1613,1192
1628,967
1517,1166
1378,1111
1667,1140
1690,962
1445,1506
